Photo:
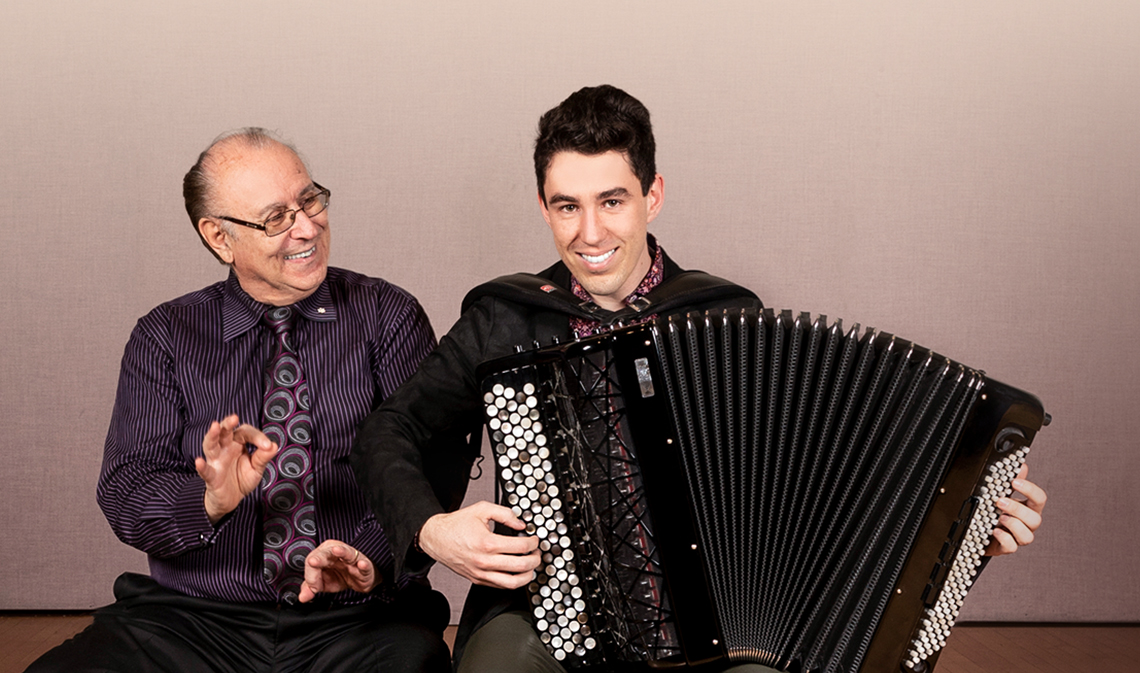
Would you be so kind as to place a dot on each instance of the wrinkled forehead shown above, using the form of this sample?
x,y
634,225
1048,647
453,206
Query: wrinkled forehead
x,y
257,178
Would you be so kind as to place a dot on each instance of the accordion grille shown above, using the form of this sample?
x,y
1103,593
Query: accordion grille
x,y
813,457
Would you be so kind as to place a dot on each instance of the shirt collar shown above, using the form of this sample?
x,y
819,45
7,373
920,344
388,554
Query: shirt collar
x,y
241,312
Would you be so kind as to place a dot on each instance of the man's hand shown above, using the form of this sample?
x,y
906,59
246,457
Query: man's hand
x,y
335,566
1019,519
229,470
465,542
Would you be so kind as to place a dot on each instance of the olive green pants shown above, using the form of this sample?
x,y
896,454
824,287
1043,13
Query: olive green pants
x,y
509,644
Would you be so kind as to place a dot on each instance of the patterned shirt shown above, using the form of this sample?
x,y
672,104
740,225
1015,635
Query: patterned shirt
x,y
201,357
583,328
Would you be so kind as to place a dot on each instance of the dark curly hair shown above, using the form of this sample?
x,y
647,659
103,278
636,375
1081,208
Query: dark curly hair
x,y
595,120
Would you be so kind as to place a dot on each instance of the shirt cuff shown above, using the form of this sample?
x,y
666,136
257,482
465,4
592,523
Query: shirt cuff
x,y
190,519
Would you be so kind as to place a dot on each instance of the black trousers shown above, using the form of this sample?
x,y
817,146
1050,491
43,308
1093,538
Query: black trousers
x,y
509,644
152,629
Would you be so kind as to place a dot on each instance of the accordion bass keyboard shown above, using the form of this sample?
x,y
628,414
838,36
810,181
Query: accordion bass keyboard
x,y
755,486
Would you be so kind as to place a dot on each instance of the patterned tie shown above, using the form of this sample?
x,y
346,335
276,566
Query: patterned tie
x,y
289,524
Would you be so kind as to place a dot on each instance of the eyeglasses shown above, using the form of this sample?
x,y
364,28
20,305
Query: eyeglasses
x,y
282,221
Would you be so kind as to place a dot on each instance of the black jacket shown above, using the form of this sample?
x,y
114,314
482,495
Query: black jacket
x,y
413,455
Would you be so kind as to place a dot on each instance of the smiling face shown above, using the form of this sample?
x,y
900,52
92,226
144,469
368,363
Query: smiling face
x,y
253,184
599,218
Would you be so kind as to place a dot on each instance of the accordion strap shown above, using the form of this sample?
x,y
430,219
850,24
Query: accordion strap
x,y
686,289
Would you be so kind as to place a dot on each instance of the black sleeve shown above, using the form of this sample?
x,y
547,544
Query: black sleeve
x,y
412,456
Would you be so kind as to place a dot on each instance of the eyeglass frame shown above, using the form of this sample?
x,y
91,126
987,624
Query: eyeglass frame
x,y
291,213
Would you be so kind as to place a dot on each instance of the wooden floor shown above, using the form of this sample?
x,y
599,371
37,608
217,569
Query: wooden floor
x,y
973,648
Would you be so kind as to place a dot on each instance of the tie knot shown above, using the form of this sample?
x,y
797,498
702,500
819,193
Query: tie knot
x,y
281,319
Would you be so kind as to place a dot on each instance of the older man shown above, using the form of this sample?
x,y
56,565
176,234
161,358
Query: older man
x,y
226,459
598,190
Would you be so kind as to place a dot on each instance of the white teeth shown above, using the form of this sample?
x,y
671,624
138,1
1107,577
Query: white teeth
x,y
599,259
302,255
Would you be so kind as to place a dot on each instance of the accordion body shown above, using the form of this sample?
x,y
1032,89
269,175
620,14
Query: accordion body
x,y
752,486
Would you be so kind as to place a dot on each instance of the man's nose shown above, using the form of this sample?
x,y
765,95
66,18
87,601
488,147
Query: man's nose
x,y
303,226
592,230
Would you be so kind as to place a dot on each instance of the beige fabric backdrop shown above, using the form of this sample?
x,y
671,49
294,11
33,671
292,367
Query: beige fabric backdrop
x,y
962,174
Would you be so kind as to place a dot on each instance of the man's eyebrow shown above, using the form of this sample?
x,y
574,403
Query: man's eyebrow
x,y
274,207
560,198
611,193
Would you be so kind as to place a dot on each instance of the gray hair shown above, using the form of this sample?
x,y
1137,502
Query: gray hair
x,y
200,183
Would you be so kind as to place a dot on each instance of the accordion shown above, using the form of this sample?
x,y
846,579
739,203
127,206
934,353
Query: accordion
x,y
752,486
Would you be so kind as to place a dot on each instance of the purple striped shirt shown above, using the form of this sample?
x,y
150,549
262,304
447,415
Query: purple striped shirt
x,y
201,357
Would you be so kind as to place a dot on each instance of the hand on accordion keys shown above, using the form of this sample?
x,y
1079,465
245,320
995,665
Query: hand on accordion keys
x,y
465,541
1019,519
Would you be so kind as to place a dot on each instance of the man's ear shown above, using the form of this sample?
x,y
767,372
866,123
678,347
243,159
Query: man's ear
x,y
217,238
655,197
542,207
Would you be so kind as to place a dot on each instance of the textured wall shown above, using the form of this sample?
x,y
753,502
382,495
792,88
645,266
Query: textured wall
x,y
963,175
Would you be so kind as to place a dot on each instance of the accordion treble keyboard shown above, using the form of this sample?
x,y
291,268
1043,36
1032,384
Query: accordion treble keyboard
x,y
755,486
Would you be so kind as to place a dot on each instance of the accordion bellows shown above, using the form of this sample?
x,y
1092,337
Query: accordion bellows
x,y
756,486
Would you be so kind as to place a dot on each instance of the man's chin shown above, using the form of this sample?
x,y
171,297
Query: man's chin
x,y
599,290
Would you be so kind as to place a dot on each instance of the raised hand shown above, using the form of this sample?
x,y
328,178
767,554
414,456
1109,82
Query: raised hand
x,y
465,542
230,471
